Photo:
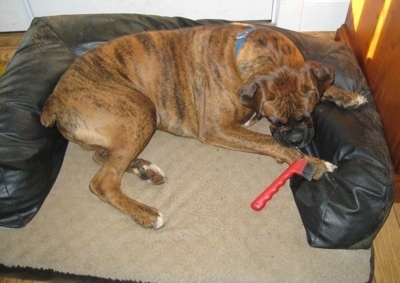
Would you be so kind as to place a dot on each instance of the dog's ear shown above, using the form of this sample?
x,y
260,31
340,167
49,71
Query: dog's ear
x,y
250,96
323,74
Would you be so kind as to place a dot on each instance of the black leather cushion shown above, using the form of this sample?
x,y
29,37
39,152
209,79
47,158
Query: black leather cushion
x,y
342,210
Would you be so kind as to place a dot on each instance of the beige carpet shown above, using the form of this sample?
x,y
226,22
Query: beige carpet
x,y
212,234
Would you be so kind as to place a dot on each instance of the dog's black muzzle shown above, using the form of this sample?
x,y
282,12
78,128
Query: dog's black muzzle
x,y
298,136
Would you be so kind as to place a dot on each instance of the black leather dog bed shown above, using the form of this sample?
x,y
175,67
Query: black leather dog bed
x,y
344,209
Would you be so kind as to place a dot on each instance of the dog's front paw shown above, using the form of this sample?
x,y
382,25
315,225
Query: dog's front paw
x,y
351,100
356,102
344,99
330,167
326,167
321,167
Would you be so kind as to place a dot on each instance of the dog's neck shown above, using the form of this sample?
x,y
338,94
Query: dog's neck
x,y
248,63
241,38
253,55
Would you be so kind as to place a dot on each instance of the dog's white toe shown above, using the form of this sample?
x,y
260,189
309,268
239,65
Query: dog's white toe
x,y
161,220
330,167
361,100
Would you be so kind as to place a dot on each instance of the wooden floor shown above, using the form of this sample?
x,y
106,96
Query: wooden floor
x,y
8,44
386,244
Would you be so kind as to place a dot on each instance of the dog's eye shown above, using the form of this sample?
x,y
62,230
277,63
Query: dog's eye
x,y
277,123
272,96
303,119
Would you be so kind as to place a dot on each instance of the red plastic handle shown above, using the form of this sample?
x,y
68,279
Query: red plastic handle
x,y
296,167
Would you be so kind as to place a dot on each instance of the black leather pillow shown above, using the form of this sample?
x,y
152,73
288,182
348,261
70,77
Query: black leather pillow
x,y
342,210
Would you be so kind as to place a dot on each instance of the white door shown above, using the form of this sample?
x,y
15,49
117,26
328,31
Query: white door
x,y
193,9
14,15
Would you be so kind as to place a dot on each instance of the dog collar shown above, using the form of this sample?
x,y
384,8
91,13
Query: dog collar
x,y
241,38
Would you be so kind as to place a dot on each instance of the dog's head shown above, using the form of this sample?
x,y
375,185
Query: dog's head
x,y
287,98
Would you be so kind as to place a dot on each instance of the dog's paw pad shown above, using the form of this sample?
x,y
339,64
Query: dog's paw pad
x,y
150,173
330,167
155,175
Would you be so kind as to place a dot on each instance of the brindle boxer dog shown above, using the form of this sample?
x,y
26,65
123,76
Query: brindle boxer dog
x,y
206,83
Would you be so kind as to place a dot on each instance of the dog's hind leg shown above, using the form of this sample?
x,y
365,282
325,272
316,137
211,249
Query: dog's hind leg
x,y
106,185
146,170
121,142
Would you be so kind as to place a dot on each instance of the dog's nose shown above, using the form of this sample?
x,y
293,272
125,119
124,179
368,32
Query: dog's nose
x,y
294,137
